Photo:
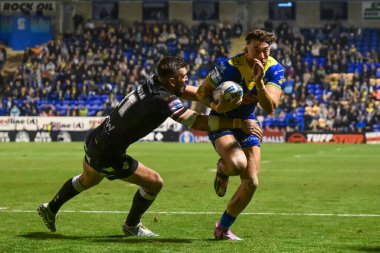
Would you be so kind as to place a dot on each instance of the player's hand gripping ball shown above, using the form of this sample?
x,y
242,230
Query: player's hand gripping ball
x,y
229,90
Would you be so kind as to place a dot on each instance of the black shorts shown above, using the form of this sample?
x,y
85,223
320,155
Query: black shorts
x,y
103,160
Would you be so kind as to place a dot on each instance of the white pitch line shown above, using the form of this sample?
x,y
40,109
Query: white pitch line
x,y
4,210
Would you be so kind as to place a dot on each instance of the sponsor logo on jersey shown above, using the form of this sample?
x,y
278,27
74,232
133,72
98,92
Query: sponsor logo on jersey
x,y
215,76
222,67
175,105
141,93
278,71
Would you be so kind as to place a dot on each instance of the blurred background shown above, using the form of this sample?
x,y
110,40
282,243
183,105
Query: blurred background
x,y
66,64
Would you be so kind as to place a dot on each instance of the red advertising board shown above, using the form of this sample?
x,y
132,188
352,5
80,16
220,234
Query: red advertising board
x,y
351,138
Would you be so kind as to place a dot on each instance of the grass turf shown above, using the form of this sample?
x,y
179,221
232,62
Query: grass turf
x,y
309,200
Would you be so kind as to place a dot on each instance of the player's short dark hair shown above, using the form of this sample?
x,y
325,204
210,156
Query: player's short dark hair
x,y
169,66
260,35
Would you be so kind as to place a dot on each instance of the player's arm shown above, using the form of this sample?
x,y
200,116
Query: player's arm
x,y
204,94
190,93
193,120
268,96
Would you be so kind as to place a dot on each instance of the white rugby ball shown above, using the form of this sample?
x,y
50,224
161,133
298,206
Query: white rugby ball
x,y
230,91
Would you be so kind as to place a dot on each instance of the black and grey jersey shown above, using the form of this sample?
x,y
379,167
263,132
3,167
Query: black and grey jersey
x,y
139,113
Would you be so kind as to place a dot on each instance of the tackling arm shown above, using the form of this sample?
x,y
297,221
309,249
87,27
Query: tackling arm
x,y
195,121
204,92
190,93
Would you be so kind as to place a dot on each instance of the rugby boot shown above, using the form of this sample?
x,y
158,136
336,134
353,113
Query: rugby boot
x,y
224,234
138,230
220,182
47,216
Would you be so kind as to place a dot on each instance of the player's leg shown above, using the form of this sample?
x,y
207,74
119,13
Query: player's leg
x,y
242,197
150,183
71,188
232,162
249,182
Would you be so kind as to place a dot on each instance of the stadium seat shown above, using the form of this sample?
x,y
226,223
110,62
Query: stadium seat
x,y
267,122
62,112
91,113
376,127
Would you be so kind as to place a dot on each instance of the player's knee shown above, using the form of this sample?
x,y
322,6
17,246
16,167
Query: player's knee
x,y
253,183
157,183
239,164
85,181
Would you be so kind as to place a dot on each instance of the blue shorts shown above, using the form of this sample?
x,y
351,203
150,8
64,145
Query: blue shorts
x,y
245,140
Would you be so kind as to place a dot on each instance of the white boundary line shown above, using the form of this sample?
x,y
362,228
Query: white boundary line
x,y
5,210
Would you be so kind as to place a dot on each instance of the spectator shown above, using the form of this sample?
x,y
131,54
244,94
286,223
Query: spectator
x,y
102,60
3,56
83,111
15,111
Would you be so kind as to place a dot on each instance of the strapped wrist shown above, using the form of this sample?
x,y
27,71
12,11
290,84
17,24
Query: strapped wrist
x,y
213,105
213,123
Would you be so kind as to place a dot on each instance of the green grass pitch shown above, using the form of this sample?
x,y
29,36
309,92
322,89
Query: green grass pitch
x,y
312,198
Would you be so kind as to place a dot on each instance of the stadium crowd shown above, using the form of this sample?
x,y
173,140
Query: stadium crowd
x,y
333,79
332,73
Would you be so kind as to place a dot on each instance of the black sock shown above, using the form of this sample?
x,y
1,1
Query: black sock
x,y
66,193
139,206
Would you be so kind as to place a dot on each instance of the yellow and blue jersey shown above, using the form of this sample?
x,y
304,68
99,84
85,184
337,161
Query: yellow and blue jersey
x,y
238,70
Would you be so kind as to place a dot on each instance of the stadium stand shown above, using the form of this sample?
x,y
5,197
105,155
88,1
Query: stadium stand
x,y
332,73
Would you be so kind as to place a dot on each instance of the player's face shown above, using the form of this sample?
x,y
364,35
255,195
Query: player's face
x,y
180,82
257,50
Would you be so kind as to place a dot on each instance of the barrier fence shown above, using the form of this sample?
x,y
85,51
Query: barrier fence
x,y
68,129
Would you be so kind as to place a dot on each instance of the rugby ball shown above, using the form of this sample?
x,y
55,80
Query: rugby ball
x,y
230,91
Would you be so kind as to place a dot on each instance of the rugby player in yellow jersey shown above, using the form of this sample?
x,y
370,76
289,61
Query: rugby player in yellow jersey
x,y
261,78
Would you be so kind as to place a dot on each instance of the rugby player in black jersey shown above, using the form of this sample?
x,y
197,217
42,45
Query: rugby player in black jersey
x,y
138,114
